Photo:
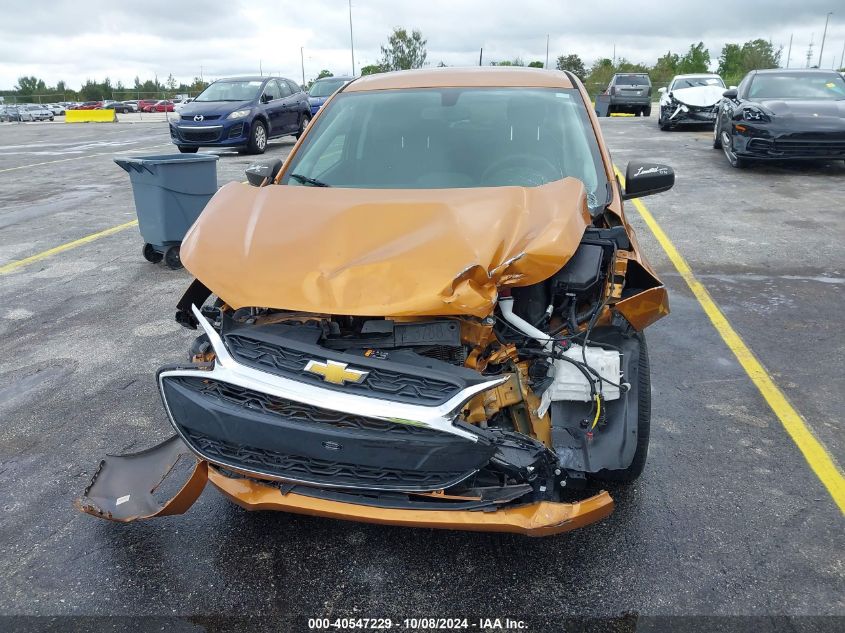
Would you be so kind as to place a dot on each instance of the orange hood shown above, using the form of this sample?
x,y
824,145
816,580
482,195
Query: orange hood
x,y
373,252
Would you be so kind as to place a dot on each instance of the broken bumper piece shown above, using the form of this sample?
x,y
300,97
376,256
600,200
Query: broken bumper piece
x,y
123,487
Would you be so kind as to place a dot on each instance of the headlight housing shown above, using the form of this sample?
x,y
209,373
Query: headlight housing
x,y
755,114
173,117
238,114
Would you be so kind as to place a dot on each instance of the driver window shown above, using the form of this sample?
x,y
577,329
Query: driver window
x,y
271,91
283,89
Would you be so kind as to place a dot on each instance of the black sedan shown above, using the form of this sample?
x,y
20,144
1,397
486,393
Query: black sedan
x,y
782,114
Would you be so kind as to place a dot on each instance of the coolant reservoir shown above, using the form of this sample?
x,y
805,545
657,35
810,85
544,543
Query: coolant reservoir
x,y
570,383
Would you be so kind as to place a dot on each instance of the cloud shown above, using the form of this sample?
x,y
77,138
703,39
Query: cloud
x,y
229,37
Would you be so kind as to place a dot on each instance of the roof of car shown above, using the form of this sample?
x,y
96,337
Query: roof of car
x,y
791,71
482,76
696,75
246,78
344,77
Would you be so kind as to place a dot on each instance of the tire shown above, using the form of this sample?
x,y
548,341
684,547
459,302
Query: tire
x,y
51,118
188,150
609,110
647,111
151,254
717,134
257,139
171,258
728,148
661,122
632,472
302,125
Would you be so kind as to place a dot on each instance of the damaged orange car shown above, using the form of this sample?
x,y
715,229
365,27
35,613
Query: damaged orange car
x,y
430,315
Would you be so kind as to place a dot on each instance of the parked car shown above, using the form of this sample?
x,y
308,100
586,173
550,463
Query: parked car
x,y
782,114
352,357
14,113
178,105
242,113
90,105
132,104
627,93
117,106
56,108
324,88
144,104
160,106
39,112
690,99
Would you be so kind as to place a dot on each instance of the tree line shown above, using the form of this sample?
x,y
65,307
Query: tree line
x,y
33,88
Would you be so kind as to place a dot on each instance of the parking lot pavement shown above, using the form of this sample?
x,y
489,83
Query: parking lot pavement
x,y
728,519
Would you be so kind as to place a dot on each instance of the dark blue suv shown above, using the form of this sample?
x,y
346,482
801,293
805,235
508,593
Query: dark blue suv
x,y
242,113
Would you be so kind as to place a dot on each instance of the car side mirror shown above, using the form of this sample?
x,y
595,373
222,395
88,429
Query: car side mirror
x,y
730,94
661,90
645,179
263,173
265,98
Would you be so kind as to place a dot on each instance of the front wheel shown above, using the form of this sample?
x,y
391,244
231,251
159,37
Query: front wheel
x,y
717,135
188,150
662,121
728,148
257,139
302,125
632,472
172,259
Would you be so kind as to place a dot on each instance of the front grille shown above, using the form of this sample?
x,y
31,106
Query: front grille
x,y
199,136
290,410
379,383
312,470
209,117
809,147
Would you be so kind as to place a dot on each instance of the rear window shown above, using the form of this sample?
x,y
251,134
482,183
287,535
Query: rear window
x,y
631,80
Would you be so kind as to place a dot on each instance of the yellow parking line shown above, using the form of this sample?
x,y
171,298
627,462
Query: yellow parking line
x,y
64,160
814,452
7,268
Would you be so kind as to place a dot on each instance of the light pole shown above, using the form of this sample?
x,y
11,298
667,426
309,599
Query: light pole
x,y
547,53
789,54
821,50
351,42
302,59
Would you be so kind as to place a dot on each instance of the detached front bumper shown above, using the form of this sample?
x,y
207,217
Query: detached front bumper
x,y
682,114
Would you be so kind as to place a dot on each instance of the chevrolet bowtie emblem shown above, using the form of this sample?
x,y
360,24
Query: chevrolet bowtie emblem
x,y
335,372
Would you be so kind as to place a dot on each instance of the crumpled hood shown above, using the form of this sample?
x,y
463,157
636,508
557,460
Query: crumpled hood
x,y
699,95
382,252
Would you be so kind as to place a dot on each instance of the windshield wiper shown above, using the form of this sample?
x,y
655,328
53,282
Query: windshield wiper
x,y
311,181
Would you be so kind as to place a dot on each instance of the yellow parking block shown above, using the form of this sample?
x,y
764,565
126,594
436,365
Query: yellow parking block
x,y
90,116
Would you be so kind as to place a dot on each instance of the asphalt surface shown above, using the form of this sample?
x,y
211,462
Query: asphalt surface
x,y
727,520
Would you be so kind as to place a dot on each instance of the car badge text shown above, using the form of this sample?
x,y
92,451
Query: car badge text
x,y
335,372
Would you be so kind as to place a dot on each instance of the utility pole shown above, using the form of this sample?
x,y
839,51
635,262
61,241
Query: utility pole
x,y
480,55
614,55
260,68
810,52
302,59
842,56
821,49
789,54
351,41
547,52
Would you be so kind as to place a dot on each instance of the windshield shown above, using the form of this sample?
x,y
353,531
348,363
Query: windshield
x,y
452,138
242,90
326,87
694,82
797,86
631,80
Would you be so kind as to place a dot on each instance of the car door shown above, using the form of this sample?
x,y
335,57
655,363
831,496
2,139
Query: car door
x,y
290,111
272,105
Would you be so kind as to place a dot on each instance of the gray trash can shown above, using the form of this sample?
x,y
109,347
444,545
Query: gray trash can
x,y
170,192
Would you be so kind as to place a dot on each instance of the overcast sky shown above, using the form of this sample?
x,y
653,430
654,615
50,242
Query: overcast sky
x,y
63,39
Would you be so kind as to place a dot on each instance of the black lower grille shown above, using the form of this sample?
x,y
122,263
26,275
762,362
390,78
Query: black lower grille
x,y
379,383
809,147
200,136
313,470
